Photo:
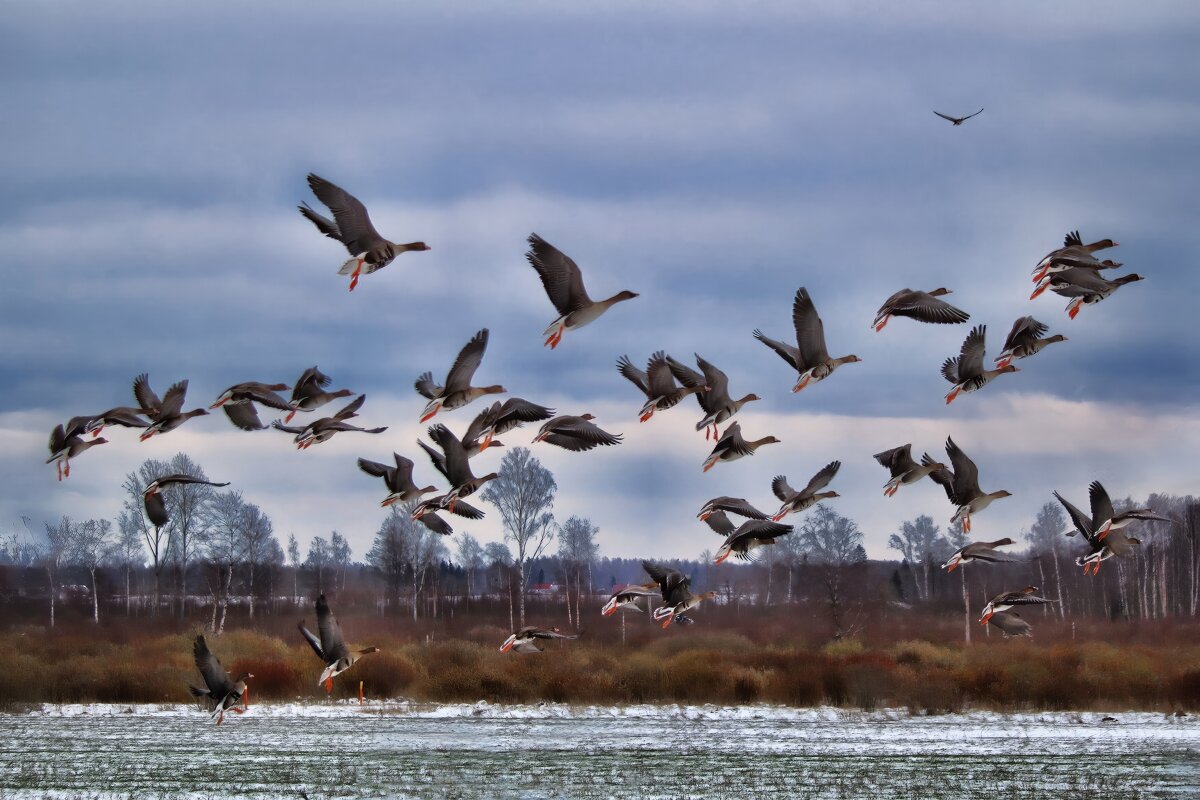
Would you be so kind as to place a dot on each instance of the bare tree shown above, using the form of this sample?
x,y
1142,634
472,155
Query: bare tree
x,y
225,525
577,549
1046,540
834,543
318,560
387,551
129,549
920,542
133,517
470,558
500,559
53,553
958,539
340,555
90,546
524,494
260,548
293,553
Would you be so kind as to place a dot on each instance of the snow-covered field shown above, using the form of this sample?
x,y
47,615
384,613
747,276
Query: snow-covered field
x,y
552,751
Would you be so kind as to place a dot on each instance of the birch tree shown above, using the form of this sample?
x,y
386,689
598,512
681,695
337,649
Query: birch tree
x,y
524,494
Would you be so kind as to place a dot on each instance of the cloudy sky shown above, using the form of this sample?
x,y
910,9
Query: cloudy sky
x,y
712,160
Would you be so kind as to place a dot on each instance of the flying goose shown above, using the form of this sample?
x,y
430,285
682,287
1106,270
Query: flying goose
x,y
331,647
1073,253
398,480
458,390
979,551
1105,519
899,462
809,358
425,512
966,371
958,120
1011,624
732,446
309,392
64,447
124,416
629,597
1084,286
498,419
962,485
740,541
1024,340
810,495
352,227
733,505
677,595
454,465
167,414
564,285
575,433
323,429
238,403
526,639
657,383
152,498
716,403
220,693
921,306
1006,600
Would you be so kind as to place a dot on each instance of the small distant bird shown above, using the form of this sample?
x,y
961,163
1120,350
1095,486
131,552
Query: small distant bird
x,y
331,647
64,446
1011,624
238,403
220,693
732,446
575,433
398,480
564,285
962,485
899,462
152,498
921,306
309,392
629,597
167,414
741,541
958,120
677,595
1084,286
979,551
1024,341
716,403
526,639
807,497
352,227
966,371
454,465
1073,253
733,505
809,357
657,383
324,429
1006,600
458,390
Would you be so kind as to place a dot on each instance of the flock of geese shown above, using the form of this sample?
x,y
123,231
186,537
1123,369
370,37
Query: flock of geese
x,y
1071,271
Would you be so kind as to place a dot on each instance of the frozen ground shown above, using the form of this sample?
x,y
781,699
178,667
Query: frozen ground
x,y
553,751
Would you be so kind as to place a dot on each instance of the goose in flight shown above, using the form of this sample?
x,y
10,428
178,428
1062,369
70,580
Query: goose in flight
x,y
221,693
563,283
330,647
458,391
351,226
809,357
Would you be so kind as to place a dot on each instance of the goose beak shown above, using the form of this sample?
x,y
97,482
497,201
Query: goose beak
x,y
508,644
610,608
